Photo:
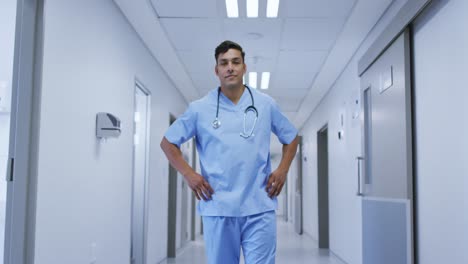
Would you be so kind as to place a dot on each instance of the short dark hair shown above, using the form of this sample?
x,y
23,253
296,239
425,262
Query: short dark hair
x,y
227,45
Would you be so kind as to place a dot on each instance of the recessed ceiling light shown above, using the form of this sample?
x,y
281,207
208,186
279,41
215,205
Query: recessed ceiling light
x,y
252,8
253,80
265,80
232,8
272,8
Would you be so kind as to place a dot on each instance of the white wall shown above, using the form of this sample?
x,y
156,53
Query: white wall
x,y
344,205
441,67
91,59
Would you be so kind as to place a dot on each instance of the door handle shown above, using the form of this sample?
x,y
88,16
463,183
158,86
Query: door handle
x,y
359,179
10,168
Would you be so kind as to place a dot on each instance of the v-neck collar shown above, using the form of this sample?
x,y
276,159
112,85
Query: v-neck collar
x,y
231,103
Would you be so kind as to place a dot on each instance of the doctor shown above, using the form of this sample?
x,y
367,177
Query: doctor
x,y
232,126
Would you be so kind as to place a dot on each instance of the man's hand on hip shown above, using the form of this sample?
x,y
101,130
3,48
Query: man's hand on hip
x,y
275,183
200,187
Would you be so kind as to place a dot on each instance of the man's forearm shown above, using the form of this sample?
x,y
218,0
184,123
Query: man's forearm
x,y
174,155
289,151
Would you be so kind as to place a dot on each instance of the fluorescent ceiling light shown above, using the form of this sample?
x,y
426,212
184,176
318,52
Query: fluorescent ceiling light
x,y
272,8
232,8
265,80
252,8
253,80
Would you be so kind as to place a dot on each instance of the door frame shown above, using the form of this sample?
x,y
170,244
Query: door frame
x,y
24,133
139,85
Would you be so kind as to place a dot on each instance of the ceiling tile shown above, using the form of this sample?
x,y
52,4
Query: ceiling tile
x,y
254,35
259,61
188,8
291,80
289,104
300,62
316,8
198,61
311,34
290,115
204,82
195,34
287,93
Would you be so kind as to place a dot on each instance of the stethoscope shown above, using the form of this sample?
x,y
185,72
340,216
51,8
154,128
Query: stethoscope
x,y
251,108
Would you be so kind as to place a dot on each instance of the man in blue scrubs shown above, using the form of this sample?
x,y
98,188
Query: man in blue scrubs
x,y
232,126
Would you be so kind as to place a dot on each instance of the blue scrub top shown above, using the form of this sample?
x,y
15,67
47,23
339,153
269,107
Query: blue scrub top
x,y
237,168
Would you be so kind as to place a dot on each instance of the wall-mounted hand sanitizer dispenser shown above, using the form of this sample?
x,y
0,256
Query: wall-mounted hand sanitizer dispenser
x,y
107,125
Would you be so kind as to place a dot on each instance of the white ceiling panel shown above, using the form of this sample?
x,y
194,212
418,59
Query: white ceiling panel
x,y
188,8
198,61
290,115
288,104
264,34
311,34
260,61
300,62
204,82
195,34
291,80
316,8
287,93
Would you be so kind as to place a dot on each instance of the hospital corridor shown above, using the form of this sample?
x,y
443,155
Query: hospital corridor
x,y
233,131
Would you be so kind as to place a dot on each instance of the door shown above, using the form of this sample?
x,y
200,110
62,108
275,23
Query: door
x,y
172,207
25,86
193,205
184,209
298,192
322,184
385,174
140,174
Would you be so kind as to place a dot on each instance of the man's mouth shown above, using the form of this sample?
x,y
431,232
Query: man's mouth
x,y
230,76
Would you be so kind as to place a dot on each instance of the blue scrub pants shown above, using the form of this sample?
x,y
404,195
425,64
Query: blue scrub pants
x,y
255,233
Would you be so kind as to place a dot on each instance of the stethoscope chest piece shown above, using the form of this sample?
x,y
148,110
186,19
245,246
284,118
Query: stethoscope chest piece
x,y
216,123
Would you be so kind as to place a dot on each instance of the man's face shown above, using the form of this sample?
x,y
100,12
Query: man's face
x,y
230,68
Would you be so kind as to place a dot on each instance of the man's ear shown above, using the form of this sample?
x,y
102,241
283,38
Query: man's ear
x,y
216,70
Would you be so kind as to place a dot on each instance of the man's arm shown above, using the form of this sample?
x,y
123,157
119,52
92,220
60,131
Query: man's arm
x,y
278,177
196,182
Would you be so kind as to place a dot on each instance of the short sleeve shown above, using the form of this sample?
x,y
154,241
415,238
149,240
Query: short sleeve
x,y
184,128
281,126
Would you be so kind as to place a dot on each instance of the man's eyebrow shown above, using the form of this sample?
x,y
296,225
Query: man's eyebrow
x,y
236,58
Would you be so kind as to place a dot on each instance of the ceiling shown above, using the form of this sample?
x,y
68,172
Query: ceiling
x,y
305,48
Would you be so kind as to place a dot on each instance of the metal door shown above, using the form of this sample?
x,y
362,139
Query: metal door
x,y
385,171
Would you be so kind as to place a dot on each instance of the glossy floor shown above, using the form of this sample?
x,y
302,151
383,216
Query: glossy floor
x,y
291,249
